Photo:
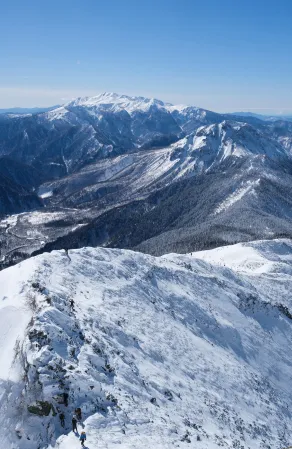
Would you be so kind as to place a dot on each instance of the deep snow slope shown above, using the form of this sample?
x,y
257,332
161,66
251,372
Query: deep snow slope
x,y
176,351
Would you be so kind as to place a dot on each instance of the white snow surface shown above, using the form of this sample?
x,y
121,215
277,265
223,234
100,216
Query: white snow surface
x,y
44,193
237,195
178,351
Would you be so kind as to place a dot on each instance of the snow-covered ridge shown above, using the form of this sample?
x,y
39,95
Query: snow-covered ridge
x,y
178,351
114,102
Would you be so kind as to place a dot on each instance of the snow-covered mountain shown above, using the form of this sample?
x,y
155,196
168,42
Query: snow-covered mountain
x,y
176,351
66,138
139,173
115,102
69,137
225,183
172,351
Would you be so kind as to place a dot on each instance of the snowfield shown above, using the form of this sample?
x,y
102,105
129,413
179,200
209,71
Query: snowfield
x,y
177,351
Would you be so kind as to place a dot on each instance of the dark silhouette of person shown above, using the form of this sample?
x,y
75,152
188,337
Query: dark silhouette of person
x,y
62,419
78,413
74,424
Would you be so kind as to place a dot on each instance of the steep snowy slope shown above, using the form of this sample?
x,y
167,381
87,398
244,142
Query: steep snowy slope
x,y
132,176
177,351
217,198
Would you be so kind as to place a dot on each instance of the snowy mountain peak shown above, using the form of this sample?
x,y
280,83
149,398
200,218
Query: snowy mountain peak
x,y
114,100
238,139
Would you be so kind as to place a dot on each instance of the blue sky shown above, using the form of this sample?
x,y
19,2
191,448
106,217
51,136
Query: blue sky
x,y
224,55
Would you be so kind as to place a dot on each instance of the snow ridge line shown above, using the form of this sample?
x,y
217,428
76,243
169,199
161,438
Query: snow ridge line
x,y
53,383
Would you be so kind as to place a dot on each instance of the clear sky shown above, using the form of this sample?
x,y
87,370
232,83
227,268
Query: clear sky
x,y
224,55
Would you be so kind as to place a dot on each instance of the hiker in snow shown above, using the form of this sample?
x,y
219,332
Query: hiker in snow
x,y
74,424
67,254
78,413
72,307
62,419
82,438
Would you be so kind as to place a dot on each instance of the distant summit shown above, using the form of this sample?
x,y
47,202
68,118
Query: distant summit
x,y
113,100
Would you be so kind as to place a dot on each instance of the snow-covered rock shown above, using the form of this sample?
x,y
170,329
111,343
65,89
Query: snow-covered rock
x,y
177,351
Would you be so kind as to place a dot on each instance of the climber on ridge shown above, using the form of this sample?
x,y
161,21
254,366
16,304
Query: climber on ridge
x,y
67,254
74,423
62,419
82,438
78,413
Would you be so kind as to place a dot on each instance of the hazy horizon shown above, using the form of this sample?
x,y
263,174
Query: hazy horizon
x,y
260,111
223,56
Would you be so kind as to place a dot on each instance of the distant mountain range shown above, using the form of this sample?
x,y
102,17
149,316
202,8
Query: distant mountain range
x,y
133,172
263,116
26,110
